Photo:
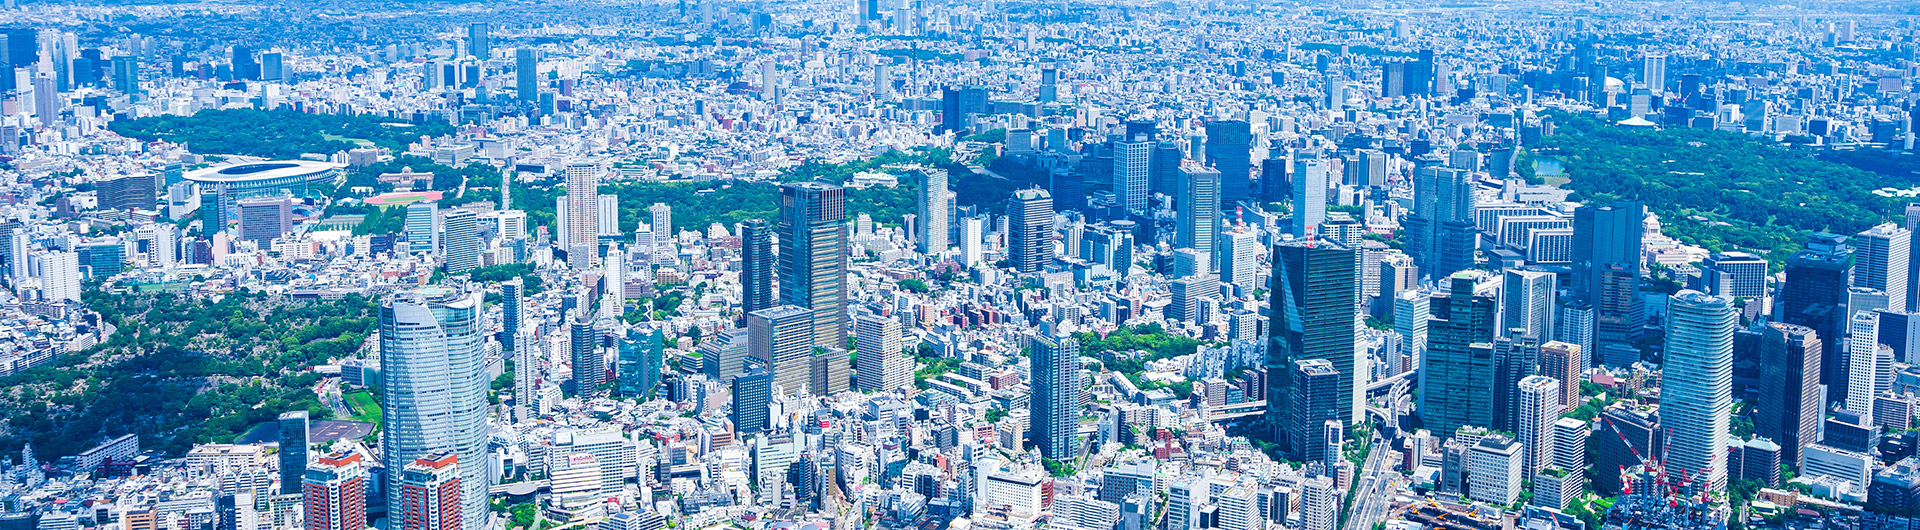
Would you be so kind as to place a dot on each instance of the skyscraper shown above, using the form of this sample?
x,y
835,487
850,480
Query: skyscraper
x,y
1526,304
1030,230
1606,268
752,391
461,240
435,397
1561,361
293,449
588,363
813,260
931,234
525,71
1131,172
1239,259
606,214
479,40
1697,384
1539,407
430,493
1056,400
423,234
334,495
583,214
1458,371
1312,317
1815,295
1881,261
660,217
1863,347
757,265
1309,196
1789,386
641,362
881,367
1199,209
1230,150
1313,400
782,338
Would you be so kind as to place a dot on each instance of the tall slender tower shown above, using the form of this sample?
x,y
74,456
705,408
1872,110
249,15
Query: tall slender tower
x,y
881,366
1030,230
1697,385
1230,149
661,217
1882,253
1457,373
1199,205
583,212
1539,408
757,266
1789,408
1526,304
1313,317
1056,400
813,257
434,372
1132,164
588,363
931,233
293,449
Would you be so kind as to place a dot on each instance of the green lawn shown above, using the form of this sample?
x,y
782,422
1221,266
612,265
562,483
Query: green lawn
x,y
365,407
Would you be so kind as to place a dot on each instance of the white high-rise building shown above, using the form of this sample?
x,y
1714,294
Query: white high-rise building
x,y
973,231
460,241
1131,173
1319,504
1539,407
881,367
59,275
1239,251
1526,304
1411,310
1863,349
613,283
931,231
434,371
583,212
513,225
1697,383
1494,470
660,217
1184,500
1238,509
1881,260
607,215
1570,444
1309,196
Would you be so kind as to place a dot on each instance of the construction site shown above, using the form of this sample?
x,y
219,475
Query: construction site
x,y
1657,498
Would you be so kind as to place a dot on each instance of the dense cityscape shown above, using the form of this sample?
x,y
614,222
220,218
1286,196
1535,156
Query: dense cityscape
x,y
1001,265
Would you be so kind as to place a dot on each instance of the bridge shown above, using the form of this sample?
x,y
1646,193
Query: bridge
x,y
1236,411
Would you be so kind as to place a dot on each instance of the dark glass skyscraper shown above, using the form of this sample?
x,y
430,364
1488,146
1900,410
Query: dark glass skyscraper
x,y
638,368
1312,317
1314,399
752,391
1030,230
1789,388
1815,296
757,265
813,257
1606,268
293,450
1055,403
589,367
1458,372
1230,150
526,68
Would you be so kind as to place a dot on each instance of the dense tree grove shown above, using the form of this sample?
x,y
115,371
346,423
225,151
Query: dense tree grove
x,y
180,371
1725,191
281,133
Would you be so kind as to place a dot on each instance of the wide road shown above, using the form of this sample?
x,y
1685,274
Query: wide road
x,y
1378,483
